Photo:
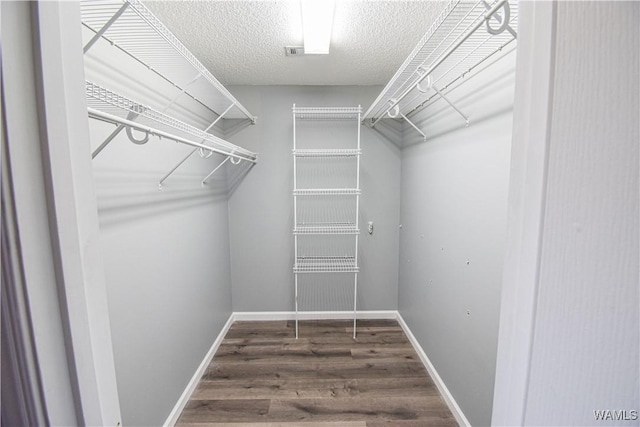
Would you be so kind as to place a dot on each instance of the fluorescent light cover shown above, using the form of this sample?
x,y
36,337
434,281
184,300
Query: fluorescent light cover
x,y
317,22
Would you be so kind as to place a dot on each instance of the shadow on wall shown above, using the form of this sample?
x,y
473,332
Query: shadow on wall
x,y
390,130
126,196
233,126
453,127
235,175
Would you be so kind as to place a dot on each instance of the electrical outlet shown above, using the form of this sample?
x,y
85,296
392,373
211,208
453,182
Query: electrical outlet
x,y
370,228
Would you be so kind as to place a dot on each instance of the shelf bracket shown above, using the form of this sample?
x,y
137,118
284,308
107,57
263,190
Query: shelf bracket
x,y
204,181
202,154
119,128
182,90
220,116
105,27
175,167
430,85
414,126
465,117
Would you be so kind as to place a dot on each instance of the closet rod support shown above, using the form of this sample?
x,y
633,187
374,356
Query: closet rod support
x,y
105,27
415,127
161,182
116,132
213,123
182,90
195,149
204,181
221,116
442,58
465,117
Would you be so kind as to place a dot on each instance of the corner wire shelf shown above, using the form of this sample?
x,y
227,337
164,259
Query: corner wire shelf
x,y
133,29
452,47
328,215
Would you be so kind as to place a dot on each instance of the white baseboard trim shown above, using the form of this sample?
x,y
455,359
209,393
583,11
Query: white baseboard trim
x,y
191,387
442,388
313,315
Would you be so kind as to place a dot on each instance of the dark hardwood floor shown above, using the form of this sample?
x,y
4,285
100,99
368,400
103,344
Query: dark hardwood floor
x,y
262,376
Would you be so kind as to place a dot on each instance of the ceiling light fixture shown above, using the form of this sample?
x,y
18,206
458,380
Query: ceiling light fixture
x,y
317,22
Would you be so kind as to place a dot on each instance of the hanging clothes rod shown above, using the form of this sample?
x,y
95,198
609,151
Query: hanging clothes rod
x,y
451,48
394,102
110,118
107,101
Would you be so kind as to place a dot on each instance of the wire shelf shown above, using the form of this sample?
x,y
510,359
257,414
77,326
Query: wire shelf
x,y
325,210
325,264
327,152
327,113
326,229
326,192
326,172
119,106
133,29
455,44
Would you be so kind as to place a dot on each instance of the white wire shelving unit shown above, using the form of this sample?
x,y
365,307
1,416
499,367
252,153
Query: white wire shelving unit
x,y
131,28
465,35
326,212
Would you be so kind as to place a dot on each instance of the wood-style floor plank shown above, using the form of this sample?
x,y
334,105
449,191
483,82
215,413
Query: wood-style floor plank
x,y
275,389
285,424
261,376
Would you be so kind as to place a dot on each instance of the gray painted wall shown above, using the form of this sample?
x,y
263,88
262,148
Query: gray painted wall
x,y
453,215
166,253
585,353
261,209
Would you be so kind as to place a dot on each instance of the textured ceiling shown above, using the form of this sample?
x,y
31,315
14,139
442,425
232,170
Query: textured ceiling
x,y
242,42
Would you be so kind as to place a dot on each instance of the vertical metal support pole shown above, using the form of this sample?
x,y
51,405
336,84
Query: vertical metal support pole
x,y
105,27
295,218
355,279
296,298
355,298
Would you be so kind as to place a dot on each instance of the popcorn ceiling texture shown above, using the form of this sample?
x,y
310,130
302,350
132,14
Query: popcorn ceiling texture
x,y
242,42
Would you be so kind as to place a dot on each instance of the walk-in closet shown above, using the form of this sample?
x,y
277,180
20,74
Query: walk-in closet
x,y
352,213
